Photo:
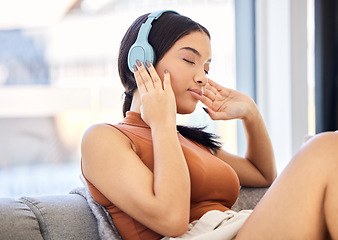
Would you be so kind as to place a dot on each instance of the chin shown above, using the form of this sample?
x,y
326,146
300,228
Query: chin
x,y
186,109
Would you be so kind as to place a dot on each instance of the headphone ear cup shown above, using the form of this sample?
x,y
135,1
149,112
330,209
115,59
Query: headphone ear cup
x,y
149,53
141,49
142,52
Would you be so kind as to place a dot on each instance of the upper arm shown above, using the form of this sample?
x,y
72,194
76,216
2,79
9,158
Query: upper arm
x,y
247,173
111,165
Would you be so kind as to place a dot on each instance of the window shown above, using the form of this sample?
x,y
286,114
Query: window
x,y
59,77
283,45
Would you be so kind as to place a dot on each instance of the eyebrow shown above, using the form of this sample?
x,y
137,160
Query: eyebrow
x,y
194,51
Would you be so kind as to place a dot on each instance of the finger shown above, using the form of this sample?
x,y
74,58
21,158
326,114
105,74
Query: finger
x,y
212,114
218,89
211,88
215,85
139,82
154,76
166,80
209,94
145,75
206,101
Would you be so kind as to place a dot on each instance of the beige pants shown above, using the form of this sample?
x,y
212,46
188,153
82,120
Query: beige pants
x,y
215,225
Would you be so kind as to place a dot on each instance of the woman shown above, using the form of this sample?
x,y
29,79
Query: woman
x,y
154,177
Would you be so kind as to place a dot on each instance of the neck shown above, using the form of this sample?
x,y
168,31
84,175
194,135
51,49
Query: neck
x,y
136,102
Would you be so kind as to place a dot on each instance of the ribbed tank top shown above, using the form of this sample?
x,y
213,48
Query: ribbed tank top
x,y
214,184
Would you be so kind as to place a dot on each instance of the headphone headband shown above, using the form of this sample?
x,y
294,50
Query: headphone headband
x,y
145,27
141,49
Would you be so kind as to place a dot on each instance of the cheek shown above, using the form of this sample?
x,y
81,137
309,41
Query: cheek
x,y
176,83
180,80
175,88
178,75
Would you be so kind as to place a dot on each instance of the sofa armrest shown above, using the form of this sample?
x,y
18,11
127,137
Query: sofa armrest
x,y
18,221
63,217
248,198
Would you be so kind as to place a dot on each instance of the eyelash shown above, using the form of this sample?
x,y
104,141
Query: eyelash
x,y
188,61
206,72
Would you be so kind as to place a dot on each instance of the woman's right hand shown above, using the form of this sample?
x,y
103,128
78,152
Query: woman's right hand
x,y
158,198
158,105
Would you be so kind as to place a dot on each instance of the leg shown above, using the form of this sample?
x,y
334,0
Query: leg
x,y
302,203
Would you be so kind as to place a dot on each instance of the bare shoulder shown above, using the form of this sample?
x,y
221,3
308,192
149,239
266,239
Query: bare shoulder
x,y
101,144
103,134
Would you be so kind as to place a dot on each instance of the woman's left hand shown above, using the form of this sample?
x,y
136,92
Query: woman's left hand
x,y
225,103
258,168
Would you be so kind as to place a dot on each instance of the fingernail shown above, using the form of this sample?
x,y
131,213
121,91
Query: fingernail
x,y
148,64
135,68
165,71
138,62
206,110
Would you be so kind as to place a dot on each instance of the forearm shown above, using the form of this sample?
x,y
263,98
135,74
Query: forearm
x,y
259,147
171,175
258,168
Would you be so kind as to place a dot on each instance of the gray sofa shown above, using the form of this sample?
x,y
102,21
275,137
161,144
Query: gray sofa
x,y
68,216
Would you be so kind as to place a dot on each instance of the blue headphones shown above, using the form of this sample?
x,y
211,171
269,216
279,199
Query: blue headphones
x,y
141,49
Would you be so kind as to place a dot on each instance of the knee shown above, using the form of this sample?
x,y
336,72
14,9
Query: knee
x,y
325,139
322,147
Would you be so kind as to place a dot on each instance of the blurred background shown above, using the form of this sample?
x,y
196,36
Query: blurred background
x,y
58,76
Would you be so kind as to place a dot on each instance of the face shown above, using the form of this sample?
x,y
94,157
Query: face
x,y
188,63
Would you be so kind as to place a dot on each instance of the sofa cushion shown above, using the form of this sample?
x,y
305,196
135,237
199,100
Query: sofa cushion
x,y
63,217
249,197
18,221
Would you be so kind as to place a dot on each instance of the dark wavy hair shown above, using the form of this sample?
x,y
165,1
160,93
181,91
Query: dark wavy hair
x,y
164,33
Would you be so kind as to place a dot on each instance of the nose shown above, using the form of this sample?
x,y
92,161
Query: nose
x,y
200,78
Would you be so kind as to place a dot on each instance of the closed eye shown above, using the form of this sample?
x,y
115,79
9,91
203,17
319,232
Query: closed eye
x,y
188,61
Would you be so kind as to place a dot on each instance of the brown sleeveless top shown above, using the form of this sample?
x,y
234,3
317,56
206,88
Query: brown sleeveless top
x,y
214,184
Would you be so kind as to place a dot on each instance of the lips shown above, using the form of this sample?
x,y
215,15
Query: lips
x,y
196,93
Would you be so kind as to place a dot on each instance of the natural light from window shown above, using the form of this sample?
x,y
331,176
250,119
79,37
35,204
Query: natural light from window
x,y
58,75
